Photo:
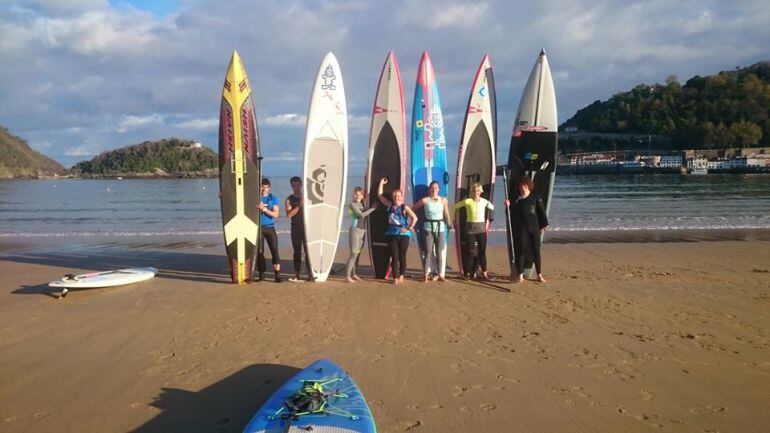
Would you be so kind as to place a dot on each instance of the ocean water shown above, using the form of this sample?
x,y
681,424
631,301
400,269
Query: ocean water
x,y
153,207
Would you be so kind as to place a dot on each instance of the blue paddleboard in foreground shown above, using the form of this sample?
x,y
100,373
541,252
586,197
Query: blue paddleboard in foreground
x,y
321,398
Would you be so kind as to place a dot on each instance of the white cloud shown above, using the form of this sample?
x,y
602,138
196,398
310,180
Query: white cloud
x,y
130,123
211,123
287,119
82,150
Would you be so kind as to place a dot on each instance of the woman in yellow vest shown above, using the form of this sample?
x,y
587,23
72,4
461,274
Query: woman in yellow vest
x,y
476,224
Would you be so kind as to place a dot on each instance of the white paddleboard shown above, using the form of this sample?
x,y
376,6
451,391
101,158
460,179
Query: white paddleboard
x,y
104,279
325,168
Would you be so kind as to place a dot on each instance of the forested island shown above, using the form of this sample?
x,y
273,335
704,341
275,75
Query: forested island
x,y
728,110
171,157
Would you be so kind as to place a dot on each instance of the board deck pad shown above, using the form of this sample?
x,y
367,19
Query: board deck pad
x,y
386,162
239,172
533,146
325,167
387,158
476,159
346,410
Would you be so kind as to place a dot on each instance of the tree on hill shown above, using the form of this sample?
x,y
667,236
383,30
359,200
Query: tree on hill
x,y
172,155
731,108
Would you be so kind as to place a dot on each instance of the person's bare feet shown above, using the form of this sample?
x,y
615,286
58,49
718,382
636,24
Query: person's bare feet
x,y
425,279
519,279
395,280
485,277
541,278
434,278
440,278
350,280
356,277
401,279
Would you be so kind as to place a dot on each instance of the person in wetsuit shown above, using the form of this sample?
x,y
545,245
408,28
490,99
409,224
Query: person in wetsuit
x,y
357,233
269,208
294,212
478,217
528,222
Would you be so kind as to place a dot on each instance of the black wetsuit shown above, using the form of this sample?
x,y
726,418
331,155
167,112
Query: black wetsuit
x,y
527,218
298,237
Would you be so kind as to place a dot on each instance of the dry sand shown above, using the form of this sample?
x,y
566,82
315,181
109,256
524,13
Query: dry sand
x,y
625,337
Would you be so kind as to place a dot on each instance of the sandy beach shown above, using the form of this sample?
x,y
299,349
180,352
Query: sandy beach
x,y
632,336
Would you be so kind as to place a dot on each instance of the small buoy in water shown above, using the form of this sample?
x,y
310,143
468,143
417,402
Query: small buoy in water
x,y
203,187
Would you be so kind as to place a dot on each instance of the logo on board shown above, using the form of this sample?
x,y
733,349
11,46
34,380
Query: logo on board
x,y
316,185
328,78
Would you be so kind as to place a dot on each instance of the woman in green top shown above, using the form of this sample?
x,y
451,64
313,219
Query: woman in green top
x,y
476,224
434,231
357,231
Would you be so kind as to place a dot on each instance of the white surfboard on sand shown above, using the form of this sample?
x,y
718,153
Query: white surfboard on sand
x,y
325,169
104,279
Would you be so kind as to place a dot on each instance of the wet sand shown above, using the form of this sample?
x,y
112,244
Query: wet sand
x,y
633,336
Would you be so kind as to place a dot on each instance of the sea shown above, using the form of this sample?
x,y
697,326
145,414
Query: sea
x,y
79,208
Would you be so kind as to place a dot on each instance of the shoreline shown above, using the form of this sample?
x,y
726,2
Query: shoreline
x,y
496,238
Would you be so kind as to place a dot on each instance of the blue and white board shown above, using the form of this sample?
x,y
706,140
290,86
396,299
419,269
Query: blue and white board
x,y
347,412
429,160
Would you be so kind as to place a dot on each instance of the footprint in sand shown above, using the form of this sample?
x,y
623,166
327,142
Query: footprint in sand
x,y
649,419
488,406
413,425
40,415
646,395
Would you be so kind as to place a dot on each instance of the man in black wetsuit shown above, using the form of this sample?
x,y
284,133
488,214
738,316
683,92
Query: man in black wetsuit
x,y
294,211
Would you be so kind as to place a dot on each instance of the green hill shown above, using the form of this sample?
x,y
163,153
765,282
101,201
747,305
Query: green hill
x,y
168,157
17,159
729,109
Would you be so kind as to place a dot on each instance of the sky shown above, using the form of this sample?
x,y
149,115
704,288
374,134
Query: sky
x,y
79,77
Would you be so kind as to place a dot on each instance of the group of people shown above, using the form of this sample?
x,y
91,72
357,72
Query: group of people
x,y
527,213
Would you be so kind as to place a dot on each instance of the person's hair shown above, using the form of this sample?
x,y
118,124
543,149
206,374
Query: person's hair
x,y
431,184
358,189
476,185
527,181
395,191
295,179
265,181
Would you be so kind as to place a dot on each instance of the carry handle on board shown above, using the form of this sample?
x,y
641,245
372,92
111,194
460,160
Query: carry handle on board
x,y
233,163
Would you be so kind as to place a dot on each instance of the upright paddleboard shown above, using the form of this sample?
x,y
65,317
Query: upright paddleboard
x,y
429,162
534,141
326,167
104,279
321,398
239,172
387,158
478,144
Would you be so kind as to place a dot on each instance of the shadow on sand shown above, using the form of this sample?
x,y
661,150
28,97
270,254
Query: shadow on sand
x,y
224,407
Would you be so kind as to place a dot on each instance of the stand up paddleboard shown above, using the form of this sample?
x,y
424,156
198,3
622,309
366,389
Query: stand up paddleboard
x,y
387,158
96,280
533,144
478,143
320,398
429,162
325,167
239,172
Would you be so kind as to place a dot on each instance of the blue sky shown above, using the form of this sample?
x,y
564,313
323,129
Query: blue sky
x,y
159,8
78,77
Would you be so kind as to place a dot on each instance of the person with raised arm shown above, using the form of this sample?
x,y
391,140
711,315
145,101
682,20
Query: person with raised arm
x,y
401,222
